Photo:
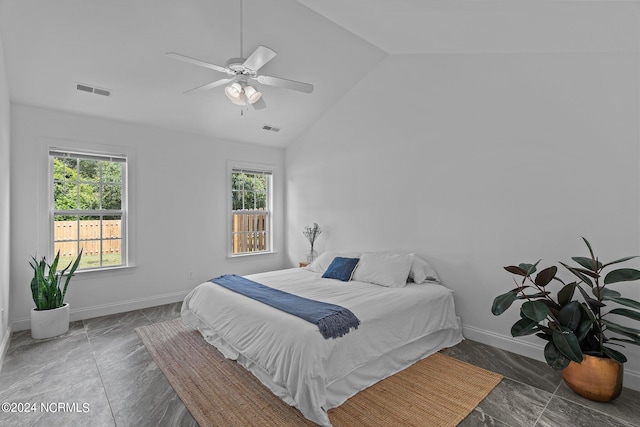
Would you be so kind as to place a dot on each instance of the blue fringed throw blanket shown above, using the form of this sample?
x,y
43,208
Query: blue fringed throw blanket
x,y
332,320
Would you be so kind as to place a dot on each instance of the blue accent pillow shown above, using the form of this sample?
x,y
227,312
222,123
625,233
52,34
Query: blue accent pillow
x,y
341,268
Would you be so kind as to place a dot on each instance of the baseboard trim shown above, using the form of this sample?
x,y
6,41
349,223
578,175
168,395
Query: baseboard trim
x,y
108,309
631,378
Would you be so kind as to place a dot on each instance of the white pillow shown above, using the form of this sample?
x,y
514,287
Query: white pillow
x,y
384,269
421,271
320,264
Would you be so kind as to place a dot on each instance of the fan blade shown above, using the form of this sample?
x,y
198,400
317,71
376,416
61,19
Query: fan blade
x,y
210,85
259,104
199,62
287,84
259,57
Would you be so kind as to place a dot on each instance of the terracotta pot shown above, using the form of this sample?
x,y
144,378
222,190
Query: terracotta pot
x,y
596,378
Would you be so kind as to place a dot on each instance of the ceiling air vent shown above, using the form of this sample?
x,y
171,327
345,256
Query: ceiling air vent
x,y
86,88
271,128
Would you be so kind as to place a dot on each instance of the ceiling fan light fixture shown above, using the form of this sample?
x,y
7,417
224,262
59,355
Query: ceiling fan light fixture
x,y
233,91
240,71
252,94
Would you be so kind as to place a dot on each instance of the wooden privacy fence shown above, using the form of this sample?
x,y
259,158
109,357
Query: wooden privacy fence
x,y
68,233
249,235
249,232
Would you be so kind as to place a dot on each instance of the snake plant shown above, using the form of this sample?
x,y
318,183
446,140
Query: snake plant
x,y
45,285
570,326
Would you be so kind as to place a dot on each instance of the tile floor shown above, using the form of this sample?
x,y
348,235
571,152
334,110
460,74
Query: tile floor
x,y
100,374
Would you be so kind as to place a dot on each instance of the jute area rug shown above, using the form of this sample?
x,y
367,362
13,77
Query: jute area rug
x,y
436,391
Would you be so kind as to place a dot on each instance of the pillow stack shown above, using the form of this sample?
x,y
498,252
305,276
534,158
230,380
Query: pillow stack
x,y
390,269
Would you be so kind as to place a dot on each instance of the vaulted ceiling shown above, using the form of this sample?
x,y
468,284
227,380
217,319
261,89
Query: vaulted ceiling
x,y
120,45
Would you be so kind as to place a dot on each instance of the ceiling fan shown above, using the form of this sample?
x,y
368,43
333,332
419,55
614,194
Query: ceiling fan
x,y
240,71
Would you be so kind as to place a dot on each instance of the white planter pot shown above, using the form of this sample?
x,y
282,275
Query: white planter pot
x,y
49,323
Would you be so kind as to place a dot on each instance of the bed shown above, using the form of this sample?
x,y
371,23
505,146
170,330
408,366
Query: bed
x,y
399,325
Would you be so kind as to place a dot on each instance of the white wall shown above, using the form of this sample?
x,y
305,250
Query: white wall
x,y
178,199
476,162
5,201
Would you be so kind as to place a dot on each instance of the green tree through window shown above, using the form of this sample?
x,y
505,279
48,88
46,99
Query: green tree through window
x,y
88,208
251,222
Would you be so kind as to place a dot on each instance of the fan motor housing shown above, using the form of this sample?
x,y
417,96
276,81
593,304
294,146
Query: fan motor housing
x,y
236,64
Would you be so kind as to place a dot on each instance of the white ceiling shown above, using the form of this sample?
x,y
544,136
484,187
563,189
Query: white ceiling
x,y
487,26
120,45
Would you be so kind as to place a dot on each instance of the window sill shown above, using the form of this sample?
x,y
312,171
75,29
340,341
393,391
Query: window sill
x,y
250,255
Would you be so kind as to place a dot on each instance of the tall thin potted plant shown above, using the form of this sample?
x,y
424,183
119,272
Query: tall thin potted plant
x,y
50,317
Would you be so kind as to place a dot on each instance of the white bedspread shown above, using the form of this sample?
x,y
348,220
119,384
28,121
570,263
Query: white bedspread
x,y
290,355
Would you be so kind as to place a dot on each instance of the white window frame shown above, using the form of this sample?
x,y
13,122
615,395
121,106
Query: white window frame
x,y
235,166
123,212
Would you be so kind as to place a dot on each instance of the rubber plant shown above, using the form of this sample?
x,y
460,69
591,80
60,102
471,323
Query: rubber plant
x,y
45,285
571,326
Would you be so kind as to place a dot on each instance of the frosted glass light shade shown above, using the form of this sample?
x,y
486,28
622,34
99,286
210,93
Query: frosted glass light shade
x,y
252,94
233,91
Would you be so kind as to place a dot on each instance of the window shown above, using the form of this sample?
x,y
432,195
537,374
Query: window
x,y
250,211
88,208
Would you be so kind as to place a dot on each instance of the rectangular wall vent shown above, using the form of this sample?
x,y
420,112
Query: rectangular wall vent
x,y
271,128
86,88
101,92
